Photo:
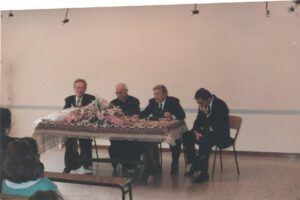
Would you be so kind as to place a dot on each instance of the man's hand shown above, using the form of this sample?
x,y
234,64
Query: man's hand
x,y
203,108
168,115
198,135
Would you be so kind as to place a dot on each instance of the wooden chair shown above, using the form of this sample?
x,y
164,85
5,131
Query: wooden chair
x,y
124,184
12,197
235,124
96,148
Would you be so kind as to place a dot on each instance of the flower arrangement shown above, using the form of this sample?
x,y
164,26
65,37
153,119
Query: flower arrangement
x,y
98,113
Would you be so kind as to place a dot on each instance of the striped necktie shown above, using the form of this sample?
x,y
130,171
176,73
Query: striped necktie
x,y
78,102
160,108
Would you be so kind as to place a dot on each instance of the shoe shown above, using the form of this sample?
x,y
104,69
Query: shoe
x,y
87,171
81,170
67,170
202,178
174,169
78,171
190,172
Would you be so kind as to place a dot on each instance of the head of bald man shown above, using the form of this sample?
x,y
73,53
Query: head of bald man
x,y
121,91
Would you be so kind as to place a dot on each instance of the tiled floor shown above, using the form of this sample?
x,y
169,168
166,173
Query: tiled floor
x,y
260,178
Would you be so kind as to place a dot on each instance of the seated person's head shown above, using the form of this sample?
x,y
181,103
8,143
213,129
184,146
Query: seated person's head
x,y
32,142
21,162
5,120
45,195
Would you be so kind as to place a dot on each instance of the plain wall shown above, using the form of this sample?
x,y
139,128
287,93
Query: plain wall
x,y
234,50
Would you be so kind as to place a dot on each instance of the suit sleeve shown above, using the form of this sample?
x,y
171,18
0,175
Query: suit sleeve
x,y
67,103
178,111
136,108
200,122
221,127
147,111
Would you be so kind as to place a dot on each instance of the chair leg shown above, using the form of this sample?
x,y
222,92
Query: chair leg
x,y
236,161
123,194
185,159
160,153
96,149
214,163
130,192
221,160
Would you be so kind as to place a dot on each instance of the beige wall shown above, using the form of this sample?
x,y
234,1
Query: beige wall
x,y
243,57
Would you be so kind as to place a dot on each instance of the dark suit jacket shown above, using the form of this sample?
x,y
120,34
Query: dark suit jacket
x,y
130,106
218,120
172,105
1,161
71,100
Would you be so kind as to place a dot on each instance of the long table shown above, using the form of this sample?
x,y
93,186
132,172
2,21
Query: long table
x,y
50,134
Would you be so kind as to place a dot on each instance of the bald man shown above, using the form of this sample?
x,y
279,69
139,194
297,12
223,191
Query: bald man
x,y
125,150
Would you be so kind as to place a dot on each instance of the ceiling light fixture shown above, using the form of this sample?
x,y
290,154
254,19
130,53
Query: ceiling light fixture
x,y
195,11
268,12
66,20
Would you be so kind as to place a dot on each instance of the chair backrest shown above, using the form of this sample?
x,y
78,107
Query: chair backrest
x,y
235,123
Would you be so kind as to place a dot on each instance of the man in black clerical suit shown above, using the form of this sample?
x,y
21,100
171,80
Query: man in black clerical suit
x,y
210,128
164,106
125,150
74,160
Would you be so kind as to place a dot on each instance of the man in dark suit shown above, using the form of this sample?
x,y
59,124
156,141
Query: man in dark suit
x,y
210,128
74,160
125,150
164,106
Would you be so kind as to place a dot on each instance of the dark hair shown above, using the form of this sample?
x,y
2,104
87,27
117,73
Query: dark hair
x,y
80,80
21,162
45,195
5,120
162,88
203,94
32,142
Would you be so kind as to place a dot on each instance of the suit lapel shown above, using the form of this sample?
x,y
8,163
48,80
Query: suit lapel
x,y
166,104
74,101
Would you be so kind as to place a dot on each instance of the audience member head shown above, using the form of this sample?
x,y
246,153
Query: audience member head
x,y
80,86
5,120
160,93
46,195
121,91
21,162
203,97
32,142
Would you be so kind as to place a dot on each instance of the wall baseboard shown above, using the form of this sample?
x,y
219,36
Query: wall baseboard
x,y
240,153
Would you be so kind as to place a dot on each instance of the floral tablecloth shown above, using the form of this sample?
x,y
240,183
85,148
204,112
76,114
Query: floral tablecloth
x,y
49,134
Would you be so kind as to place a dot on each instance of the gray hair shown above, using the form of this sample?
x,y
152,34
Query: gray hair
x,y
161,87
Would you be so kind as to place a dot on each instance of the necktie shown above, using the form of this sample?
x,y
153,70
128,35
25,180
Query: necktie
x,y
160,108
208,110
78,102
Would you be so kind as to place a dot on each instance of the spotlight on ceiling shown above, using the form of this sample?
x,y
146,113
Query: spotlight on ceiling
x,y
292,8
10,14
268,12
66,20
195,11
